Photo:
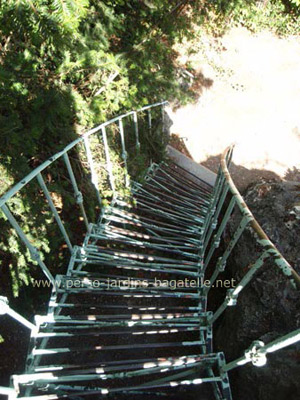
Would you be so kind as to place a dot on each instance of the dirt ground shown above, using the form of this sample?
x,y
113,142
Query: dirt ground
x,y
253,102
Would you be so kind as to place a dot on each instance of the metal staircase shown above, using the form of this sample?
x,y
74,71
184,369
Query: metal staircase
x,y
129,318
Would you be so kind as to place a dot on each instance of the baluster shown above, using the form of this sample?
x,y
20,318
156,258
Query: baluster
x,y
215,217
92,168
216,240
212,206
54,211
232,294
244,222
150,121
163,117
78,194
34,253
228,157
124,153
136,130
108,160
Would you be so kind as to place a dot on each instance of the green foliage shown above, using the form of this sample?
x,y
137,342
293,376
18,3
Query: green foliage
x,y
273,16
65,66
280,16
296,3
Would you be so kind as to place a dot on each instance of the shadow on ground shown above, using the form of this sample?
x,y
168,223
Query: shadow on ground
x,y
242,177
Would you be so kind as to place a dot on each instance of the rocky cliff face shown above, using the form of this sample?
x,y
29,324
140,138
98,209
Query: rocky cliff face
x,y
269,306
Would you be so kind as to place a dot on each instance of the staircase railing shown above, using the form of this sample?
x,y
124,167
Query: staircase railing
x,y
100,132
225,201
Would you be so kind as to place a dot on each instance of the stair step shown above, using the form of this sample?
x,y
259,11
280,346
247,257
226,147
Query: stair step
x,y
145,338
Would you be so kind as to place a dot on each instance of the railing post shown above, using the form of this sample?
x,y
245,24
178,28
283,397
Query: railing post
x,y
232,294
218,235
163,117
136,131
150,121
78,194
54,211
124,153
108,160
215,216
34,253
229,156
244,222
212,206
92,168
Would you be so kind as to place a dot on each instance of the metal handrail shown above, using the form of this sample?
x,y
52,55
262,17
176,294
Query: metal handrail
x,y
257,352
215,204
37,173
18,186
263,239
224,186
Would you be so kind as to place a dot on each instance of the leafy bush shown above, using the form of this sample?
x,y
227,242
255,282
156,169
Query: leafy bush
x,y
280,16
65,66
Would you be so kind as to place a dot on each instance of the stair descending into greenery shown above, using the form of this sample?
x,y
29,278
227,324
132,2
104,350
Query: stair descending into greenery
x,y
129,318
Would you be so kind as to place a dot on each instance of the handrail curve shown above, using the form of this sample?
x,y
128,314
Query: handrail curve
x,y
263,238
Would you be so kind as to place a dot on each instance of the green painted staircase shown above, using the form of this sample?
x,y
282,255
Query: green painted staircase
x,y
129,319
